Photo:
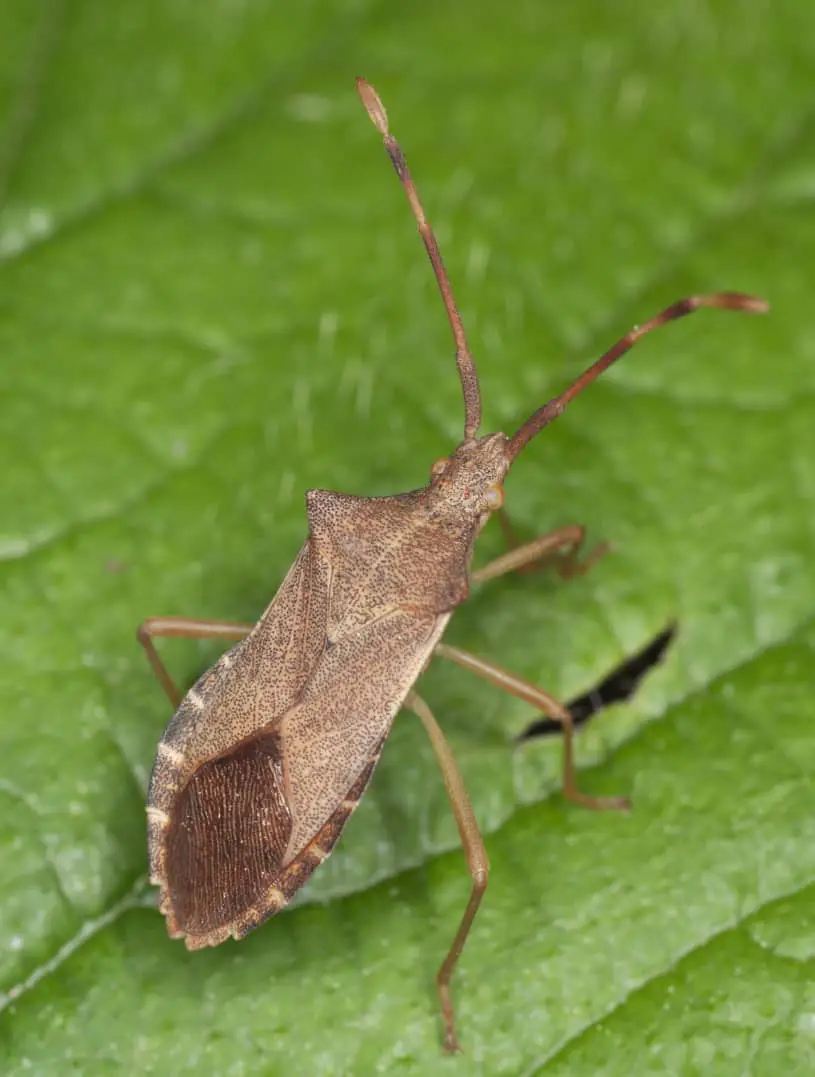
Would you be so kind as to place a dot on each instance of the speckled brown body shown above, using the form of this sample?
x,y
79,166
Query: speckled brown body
x,y
266,757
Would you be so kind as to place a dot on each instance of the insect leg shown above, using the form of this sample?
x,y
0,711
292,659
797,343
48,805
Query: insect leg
x,y
554,709
186,628
559,548
474,850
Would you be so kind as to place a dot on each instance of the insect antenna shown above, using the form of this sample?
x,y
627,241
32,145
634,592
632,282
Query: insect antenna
x,y
545,414
464,360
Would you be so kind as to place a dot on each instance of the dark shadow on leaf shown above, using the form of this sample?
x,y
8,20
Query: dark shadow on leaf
x,y
617,687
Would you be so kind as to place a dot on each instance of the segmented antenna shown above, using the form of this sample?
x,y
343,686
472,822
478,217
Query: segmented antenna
x,y
464,360
682,307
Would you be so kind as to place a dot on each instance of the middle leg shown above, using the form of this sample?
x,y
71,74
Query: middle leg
x,y
552,707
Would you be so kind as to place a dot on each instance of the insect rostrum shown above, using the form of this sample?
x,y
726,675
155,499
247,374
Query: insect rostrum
x,y
268,754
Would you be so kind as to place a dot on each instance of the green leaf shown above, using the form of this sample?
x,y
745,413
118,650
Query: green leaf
x,y
212,298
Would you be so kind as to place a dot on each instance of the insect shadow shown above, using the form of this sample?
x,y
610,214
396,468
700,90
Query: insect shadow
x,y
618,686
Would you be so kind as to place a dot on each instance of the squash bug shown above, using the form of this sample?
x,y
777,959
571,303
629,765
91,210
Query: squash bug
x,y
269,752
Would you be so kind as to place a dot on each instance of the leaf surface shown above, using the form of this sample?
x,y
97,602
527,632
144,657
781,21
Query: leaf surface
x,y
211,299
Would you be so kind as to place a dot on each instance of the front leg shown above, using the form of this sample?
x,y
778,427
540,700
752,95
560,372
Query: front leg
x,y
560,548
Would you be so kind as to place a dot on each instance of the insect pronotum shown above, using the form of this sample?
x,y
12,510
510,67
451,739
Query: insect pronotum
x,y
269,752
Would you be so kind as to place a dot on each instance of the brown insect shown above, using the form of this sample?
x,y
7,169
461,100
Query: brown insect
x,y
270,751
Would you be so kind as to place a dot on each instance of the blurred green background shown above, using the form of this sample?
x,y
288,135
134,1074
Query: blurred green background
x,y
212,298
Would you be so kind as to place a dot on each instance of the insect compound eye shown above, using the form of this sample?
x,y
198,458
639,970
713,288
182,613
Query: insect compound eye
x,y
438,467
494,498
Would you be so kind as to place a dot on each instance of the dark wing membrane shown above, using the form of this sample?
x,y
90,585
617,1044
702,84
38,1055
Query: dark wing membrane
x,y
229,830
226,844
